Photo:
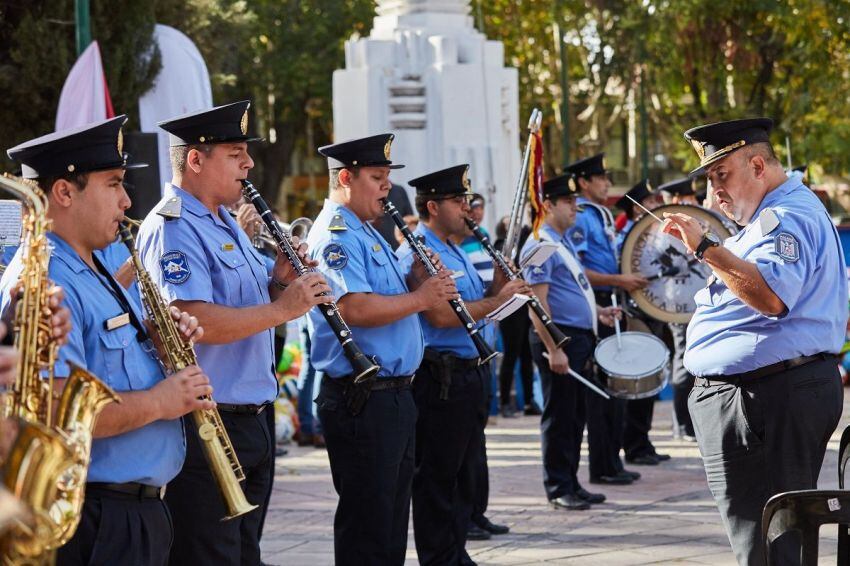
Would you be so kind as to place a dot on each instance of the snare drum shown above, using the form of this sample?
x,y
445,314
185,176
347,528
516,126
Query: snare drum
x,y
636,369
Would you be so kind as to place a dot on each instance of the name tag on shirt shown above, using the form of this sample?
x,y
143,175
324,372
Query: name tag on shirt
x,y
227,247
458,274
117,321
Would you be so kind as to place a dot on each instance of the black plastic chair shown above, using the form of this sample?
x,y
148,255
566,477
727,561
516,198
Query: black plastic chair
x,y
843,528
804,512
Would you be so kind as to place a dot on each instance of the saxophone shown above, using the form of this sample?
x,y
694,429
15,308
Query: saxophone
x,y
48,462
215,442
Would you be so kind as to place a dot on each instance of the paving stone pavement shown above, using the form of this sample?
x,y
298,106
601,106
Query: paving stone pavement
x,y
667,517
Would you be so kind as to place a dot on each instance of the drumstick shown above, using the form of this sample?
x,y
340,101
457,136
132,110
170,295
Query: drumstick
x,y
645,209
616,322
582,379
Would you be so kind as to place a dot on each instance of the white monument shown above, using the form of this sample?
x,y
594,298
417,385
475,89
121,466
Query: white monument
x,y
428,76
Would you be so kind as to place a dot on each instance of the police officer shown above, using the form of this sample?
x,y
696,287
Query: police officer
x,y
563,290
680,191
765,331
205,264
594,239
451,387
637,446
139,444
369,428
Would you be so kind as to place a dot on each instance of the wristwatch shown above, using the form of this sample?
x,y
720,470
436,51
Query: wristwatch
x,y
709,240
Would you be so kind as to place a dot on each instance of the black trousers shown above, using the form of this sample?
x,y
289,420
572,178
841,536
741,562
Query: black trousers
x,y
119,529
448,439
681,379
514,331
762,438
200,536
605,417
372,459
563,420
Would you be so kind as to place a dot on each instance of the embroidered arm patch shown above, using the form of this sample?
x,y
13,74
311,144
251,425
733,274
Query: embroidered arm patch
x,y
175,267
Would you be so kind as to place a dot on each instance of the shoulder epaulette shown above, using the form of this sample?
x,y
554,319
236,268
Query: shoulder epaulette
x,y
337,224
170,208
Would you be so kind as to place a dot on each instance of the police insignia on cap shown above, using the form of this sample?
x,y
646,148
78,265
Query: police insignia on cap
x,y
175,267
698,147
787,247
465,180
243,124
335,256
387,147
120,142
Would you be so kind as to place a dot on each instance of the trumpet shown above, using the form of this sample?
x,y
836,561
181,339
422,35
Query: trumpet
x,y
263,239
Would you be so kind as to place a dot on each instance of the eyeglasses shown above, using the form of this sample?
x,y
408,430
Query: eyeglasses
x,y
457,199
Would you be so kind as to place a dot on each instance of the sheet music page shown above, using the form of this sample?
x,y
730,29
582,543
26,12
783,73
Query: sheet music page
x,y
10,222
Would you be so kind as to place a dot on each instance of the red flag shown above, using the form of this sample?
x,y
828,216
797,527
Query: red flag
x,y
535,182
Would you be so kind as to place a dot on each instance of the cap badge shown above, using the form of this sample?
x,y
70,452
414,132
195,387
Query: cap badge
x,y
465,180
387,148
243,124
699,148
120,141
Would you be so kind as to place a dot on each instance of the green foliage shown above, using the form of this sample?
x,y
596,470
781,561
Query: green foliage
x,y
37,51
702,61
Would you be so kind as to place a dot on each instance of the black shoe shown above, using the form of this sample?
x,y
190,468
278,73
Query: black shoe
x,y
474,532
594,498
612,480
570,502
643,460
629,474
508,412
661,457
533,410
491,528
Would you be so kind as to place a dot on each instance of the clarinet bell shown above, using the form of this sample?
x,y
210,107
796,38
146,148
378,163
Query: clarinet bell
x,y
363,368
485,352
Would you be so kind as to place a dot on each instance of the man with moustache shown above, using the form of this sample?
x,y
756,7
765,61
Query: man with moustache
x,y
763,338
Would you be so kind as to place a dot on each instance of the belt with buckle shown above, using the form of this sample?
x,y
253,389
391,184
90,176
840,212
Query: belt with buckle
x,y
740,378
242,409
131,489
378,384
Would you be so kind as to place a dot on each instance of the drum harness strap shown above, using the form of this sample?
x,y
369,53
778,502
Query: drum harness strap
x,y
575,269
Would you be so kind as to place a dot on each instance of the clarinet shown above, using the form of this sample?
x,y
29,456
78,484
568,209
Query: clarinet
x,y
557,336
363,368
485,353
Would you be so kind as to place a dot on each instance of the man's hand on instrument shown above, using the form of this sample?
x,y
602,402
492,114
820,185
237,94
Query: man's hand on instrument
x,y
558,361
516,287
607,315
685,228
283,270
60,319
439,288
180,393
631,282
190,331
418,273
304,293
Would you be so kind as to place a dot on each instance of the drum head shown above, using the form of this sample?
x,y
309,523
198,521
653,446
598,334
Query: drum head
x,y
674,274
640,355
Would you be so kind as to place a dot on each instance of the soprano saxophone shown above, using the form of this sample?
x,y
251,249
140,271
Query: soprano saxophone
x,y
215,443
48,462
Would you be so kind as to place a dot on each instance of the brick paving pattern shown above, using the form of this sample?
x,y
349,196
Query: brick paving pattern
x,y
667,517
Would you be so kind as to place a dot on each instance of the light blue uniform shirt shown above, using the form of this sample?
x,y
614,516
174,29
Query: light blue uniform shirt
x,y
152,454
595,245
801,261
469,284
355,258
204,257
566,299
